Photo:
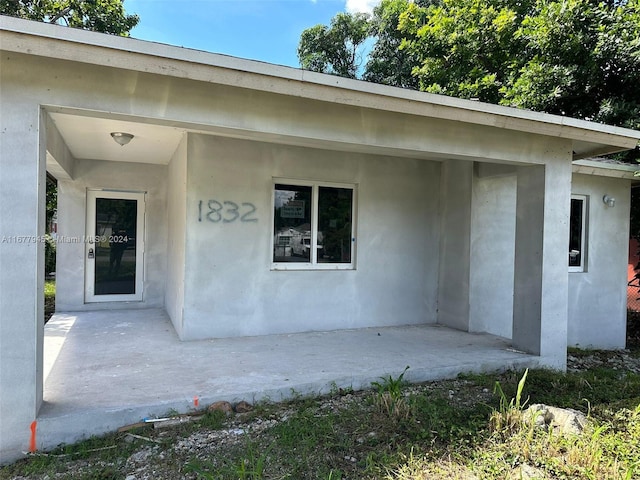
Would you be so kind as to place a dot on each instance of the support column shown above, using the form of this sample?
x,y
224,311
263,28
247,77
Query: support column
x,y
22,196
456,189
540,303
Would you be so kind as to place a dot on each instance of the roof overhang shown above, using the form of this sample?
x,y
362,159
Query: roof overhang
x,y
16,35
604,168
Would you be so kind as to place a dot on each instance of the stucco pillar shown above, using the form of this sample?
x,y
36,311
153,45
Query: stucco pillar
x,y
456,189
22,192
540,302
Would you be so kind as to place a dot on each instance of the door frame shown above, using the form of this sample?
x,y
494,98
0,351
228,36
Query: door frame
x,y
90,244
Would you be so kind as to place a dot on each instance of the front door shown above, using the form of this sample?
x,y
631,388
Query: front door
x,y
114,247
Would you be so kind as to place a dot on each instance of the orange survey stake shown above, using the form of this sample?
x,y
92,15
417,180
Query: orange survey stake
x,y
32,442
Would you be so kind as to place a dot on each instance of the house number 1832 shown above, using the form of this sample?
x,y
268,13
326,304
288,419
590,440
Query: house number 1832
x,y
226,211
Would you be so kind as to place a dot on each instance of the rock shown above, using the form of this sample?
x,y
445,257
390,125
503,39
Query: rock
x,y
243,407
221,406
561,420
141,456
526,472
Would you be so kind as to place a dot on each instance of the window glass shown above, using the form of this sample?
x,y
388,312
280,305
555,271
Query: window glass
x,y
313,226
292,223
576,233
335,206
115,256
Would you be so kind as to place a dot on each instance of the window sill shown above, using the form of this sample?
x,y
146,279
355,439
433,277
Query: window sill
x,y
577,270
311,267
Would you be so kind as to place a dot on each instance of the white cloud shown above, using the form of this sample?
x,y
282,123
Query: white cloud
x,y
366,6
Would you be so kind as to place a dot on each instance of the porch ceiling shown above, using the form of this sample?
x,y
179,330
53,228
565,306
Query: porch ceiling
x,y
89,137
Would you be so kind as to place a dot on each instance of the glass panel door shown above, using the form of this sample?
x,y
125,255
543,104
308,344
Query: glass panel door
x,y
115,224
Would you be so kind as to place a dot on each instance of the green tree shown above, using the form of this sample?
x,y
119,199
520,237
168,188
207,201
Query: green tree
x,y
583,61
106,16
579,58
387,63
462,48
339,47
572,57
335,48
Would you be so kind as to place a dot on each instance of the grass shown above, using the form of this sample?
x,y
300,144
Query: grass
x,y
470,427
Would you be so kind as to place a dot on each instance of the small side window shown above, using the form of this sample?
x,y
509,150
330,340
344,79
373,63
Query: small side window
x,y
577,234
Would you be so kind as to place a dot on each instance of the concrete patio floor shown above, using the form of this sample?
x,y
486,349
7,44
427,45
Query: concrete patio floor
x,y
107,369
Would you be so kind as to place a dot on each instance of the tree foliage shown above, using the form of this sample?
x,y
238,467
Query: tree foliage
x,y
569,57
462,48
106,16
387,63
578,58
335,48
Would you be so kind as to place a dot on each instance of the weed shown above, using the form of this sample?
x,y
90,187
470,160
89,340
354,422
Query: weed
x,y
416,467
251,465
508,417
213,420
200,468
334,475
391,385
390,399
335,390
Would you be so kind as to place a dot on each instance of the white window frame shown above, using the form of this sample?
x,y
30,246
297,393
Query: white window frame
x,y
583,240
313,261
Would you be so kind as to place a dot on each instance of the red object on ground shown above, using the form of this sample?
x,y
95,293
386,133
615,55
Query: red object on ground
x,y
633,292
32,441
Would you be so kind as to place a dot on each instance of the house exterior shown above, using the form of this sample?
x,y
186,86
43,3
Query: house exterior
x,y
255,199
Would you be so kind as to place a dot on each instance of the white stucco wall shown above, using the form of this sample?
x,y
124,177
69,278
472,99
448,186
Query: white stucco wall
x,y
22,219
493,231
597,300
230,288
456,187
597,297
176,235
72,198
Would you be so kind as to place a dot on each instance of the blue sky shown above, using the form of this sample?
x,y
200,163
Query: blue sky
x,y
267,30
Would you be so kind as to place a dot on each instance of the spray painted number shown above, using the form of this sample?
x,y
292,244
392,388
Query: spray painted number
x,y
226,211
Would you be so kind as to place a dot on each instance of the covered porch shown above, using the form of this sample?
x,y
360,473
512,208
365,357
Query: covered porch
x,y
106,369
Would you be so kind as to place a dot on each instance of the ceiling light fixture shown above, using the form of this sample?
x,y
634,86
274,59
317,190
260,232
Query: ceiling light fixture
x,y
121,138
